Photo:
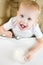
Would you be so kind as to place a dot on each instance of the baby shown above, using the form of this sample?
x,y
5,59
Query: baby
x,y
24,25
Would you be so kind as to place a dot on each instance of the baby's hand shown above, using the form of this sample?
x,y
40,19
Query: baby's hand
x,y
29,56
8,34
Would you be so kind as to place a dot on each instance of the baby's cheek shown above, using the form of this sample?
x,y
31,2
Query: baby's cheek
x,y
29,24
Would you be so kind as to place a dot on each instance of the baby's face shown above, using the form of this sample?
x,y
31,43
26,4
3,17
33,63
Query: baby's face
x,y
26,18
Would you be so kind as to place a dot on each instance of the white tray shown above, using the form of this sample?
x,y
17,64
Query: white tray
x,y
7,46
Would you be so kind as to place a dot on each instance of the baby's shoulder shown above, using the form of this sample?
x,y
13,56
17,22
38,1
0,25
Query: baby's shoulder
x,y
13,19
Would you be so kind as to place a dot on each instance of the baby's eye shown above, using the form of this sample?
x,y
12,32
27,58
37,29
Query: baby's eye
x,y
29,18
22,16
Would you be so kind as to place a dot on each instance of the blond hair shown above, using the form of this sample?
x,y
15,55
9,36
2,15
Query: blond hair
x,y
31,4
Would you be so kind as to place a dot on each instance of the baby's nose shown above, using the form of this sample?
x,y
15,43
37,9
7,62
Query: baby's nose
x,y
25,20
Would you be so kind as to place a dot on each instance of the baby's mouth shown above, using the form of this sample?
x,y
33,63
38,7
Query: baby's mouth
x,y
22,26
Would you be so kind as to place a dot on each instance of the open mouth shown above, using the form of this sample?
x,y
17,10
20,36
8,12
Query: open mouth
x,y
22,26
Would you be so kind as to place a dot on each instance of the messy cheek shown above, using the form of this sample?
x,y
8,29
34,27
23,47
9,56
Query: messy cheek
x,y
18,18
29,25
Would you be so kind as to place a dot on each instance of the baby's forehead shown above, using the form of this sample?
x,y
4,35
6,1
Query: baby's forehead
x,y
29,6
28,11
22,5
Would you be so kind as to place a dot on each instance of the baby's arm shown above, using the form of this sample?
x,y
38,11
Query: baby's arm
x,y
34,49
38,44
4,32
5,27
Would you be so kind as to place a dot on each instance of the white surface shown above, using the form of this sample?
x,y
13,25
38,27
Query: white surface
x,y
7,46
